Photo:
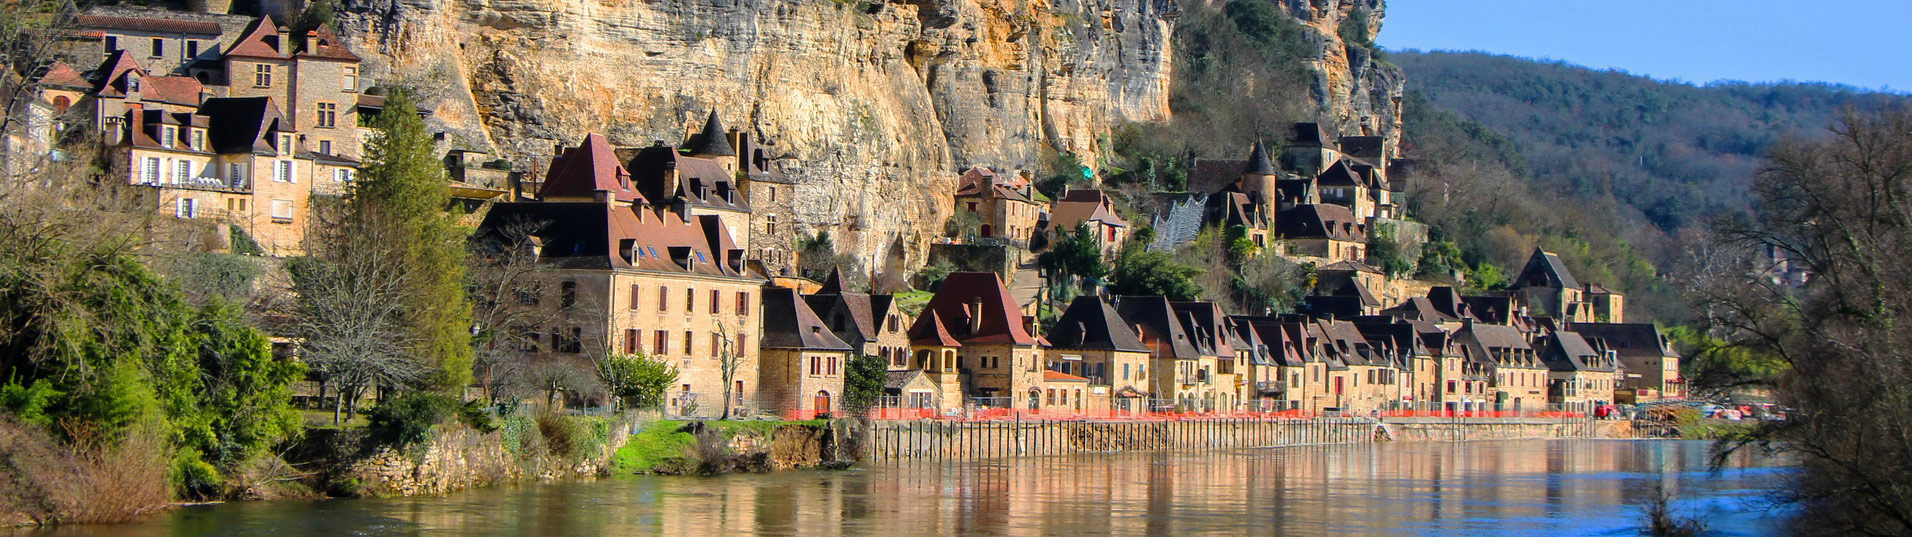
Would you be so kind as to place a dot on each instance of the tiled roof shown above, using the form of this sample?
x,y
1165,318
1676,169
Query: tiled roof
x,y
1544,269
1058,376
1567,351
61,75
930,330
1078,206
1493,336
713,140
607,235
1340,174
1320,221
701,182
1258,161
1091,323
1309,135
324,44
1363,146
260,40
242,124
789,323
587,169
897,380
150,25
1629,338
1000,318
1158,320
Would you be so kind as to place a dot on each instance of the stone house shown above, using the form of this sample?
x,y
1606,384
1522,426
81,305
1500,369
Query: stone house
x,y
1006,209
871,325
1579,376
1224,354
317,84
1517,377
1341,184
1652,366
1091,340
639,278
940,384
1281,376
999,361
803,361
1094,209
1546,288
1174,362
1330,233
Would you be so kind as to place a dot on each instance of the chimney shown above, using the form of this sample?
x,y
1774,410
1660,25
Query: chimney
x,y
975,315
1029,324
285,41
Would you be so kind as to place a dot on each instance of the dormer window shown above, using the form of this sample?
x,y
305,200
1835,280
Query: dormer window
x,y
168,136
198,140
285,144
132,82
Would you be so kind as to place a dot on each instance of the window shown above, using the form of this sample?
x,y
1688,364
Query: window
x,y
152,171
188,208
716,345
236,174
282,171
325,147
690,301
262,76
688,343
168,136
743,303
192,49
660,343
328,115
634,295
132,82
716,306
159,47
285,144
182,171
663,299
342,175
770,222
743,344
351,79
282,211
631,335
199,140
567,294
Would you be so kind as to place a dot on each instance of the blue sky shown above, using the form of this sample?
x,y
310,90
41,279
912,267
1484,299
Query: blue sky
x,y
1864,43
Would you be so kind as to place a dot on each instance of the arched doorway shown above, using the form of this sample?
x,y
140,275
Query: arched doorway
x,y
61,104
1035,398
822,403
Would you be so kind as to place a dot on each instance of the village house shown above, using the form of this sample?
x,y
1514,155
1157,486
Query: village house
x,y
1094,209
1646,355
938,385
1007,209
1517,377
871,325
638,278
1000,363
803,361
1579,377
1224,354
1546,288
1178,378
1281,375
1091,340
1328,233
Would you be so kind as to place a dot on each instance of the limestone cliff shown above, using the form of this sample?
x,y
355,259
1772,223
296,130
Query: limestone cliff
x,y
877,104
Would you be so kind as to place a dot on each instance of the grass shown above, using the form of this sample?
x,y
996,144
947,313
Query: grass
x,y
913,302
761,427
662,445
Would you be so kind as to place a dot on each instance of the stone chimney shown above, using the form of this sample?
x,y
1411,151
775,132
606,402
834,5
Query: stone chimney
x,y
975,315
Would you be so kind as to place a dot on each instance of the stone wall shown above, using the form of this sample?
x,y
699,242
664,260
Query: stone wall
x,y
457,457
1462,430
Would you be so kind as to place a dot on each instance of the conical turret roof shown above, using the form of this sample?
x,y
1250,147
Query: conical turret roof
x,y
1258,161
714,140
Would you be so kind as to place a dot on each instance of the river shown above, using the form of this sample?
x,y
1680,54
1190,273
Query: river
x,y
1539,487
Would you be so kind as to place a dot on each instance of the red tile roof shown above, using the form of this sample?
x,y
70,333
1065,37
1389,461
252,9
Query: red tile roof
x,y
324,44
929,330
587,169
260,40
1078,206
1058,376
152,25
62,75
1000,318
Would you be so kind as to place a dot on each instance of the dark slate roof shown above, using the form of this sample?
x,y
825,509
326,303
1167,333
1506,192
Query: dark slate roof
x,y
850,310
612,235
1156,317
1492,309
713,140
1493,336
1213,175
1340,174
788,323
241,124
1309,134
1320,221
700,181
1544,269
1001,317
1362,146
1629,338
833,284
1258,163
1326,306
1091,323
1567,351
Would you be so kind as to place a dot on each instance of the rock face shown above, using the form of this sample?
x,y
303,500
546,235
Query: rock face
x,y
876,103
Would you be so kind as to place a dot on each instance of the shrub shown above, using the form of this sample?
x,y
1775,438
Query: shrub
x,y
408,419
573,437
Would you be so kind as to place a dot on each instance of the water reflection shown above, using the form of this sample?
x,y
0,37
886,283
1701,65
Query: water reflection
x,y
1506,488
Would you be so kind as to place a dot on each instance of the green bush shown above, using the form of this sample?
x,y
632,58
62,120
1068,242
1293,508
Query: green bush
x,y
408,419
474,415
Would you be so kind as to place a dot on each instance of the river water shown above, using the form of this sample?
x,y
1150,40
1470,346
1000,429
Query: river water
x,y
1558,487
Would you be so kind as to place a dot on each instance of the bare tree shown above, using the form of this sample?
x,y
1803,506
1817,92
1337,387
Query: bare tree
x,y
730,360
1843,207
349,298
506,284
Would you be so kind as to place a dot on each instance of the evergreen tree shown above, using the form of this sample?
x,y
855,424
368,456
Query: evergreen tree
x,y
403,187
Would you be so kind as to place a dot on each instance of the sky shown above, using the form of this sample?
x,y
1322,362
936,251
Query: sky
x,y
1863,43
